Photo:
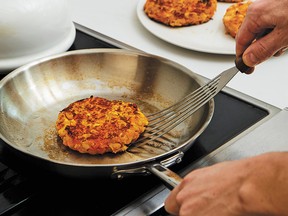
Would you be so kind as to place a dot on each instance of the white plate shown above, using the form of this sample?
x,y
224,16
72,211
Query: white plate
x,y
209,37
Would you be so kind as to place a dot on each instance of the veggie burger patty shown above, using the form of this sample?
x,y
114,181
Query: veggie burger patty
x,y
96,125
178,13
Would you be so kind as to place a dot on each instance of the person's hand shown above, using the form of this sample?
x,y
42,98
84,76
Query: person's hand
x,y
252,186
263,16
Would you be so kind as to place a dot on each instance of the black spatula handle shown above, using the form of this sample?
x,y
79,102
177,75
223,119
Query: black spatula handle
x,y
242,66
239,61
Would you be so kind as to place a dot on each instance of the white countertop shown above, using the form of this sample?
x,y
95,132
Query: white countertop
x,y
118,19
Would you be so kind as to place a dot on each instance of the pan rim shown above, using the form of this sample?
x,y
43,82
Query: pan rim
x,y
110,50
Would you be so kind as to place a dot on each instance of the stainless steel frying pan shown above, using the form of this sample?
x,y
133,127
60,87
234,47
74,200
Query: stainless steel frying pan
x,y
32,96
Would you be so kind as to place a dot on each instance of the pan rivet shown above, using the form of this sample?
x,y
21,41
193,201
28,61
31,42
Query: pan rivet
x,y
178,160
119,176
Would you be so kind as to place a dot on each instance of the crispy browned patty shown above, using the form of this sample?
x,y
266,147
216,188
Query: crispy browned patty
x,y
234,17
180,12
96,125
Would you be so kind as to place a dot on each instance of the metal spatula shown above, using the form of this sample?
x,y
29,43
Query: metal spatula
x,y
165,120
162,122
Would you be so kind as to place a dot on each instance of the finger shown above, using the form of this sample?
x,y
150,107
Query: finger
x,y
171,205
261,49
253,25
243,40
280,52
248,32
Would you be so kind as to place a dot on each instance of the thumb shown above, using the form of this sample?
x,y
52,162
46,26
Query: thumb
x,y
262,49
171,204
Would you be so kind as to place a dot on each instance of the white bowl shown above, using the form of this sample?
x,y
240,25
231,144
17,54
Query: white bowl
x,y
32,29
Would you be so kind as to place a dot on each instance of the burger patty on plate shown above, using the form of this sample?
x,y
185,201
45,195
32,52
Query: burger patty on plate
x,y
234,17
178,13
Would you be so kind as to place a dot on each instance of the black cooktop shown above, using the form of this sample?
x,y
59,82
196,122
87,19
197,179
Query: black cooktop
x,y
25,189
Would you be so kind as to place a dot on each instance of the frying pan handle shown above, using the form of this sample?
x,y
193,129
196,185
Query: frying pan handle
x,y
168,177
